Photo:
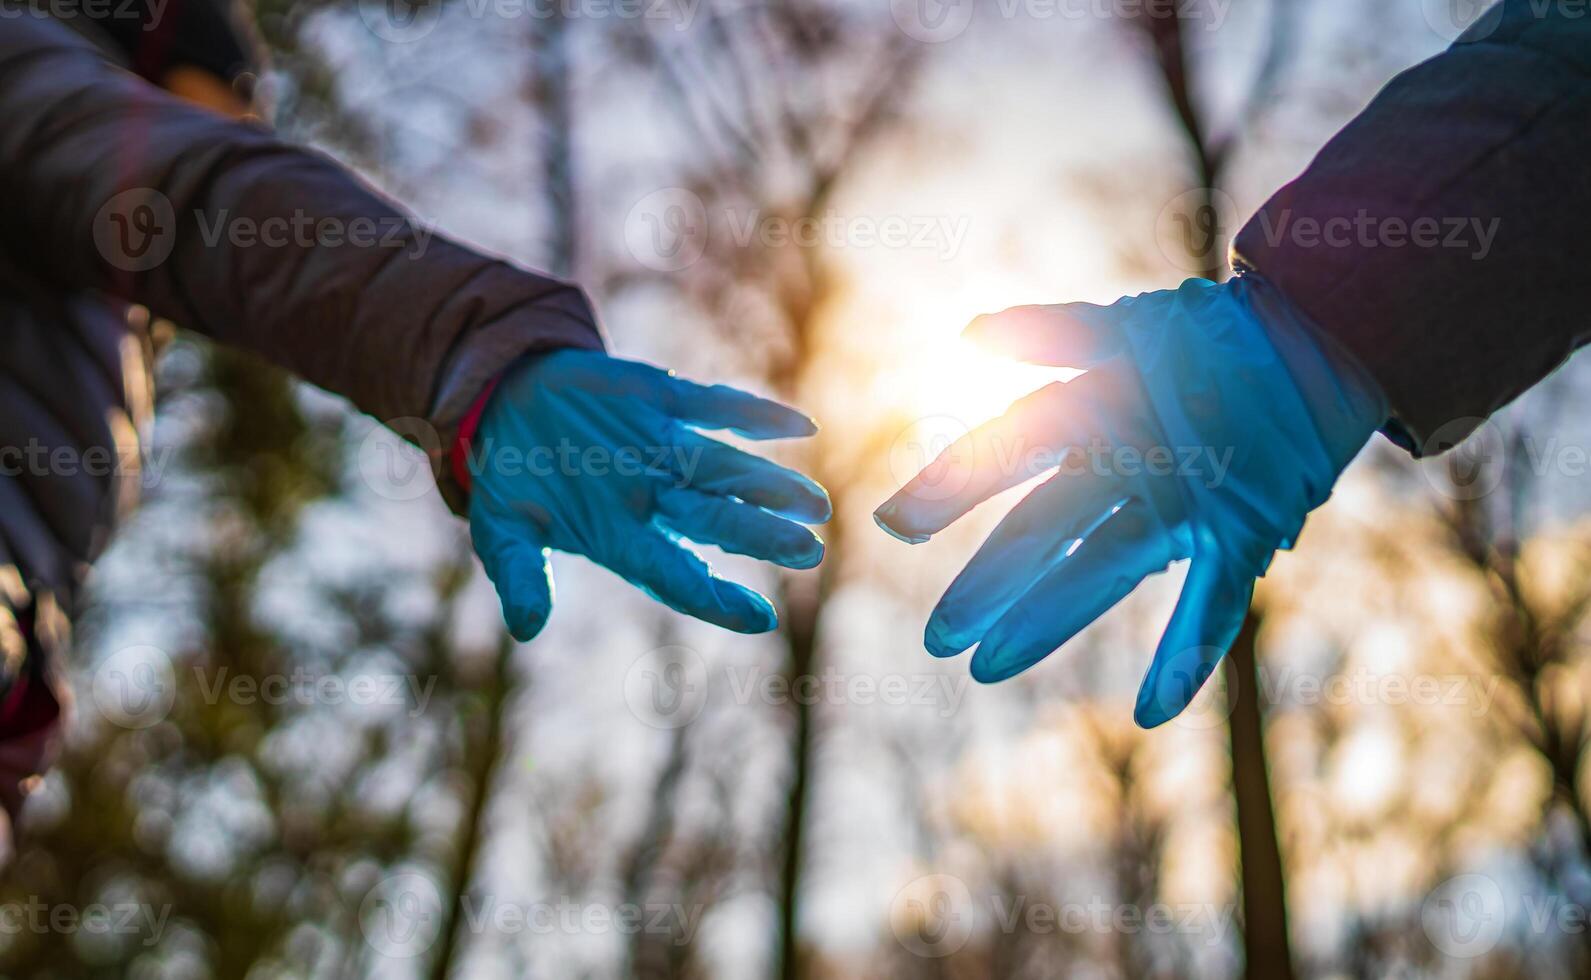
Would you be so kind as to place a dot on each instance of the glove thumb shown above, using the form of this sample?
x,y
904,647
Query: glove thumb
x,y
515,558
1076,335
1215,598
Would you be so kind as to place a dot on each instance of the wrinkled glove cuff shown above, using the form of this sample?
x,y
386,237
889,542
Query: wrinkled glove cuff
x,y
1343,399
459,455
561,320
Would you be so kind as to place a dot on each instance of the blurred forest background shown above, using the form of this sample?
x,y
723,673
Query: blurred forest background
x,y
810,198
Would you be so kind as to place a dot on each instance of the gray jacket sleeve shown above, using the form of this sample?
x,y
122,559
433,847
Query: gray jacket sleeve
x,y
112,185
1440,236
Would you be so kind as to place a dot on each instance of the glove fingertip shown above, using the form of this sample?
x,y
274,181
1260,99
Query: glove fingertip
x,y
1151,715
988,669
940,641
1170,687
808,555
1159,702
759,616
999,332
822,505
732,606
890,520
526,616
803,499
782,422
525,626
941,649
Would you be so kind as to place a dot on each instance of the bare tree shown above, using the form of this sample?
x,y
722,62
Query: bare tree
x,y
1208,154
780,101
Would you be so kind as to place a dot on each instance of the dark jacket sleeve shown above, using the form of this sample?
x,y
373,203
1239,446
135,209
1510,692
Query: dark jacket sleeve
x,y
1440,236
112,185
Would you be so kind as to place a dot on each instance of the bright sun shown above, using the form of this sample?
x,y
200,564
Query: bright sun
x,y
939,374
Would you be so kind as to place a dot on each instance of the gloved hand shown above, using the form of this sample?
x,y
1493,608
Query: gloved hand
x,y
600,457
1210,421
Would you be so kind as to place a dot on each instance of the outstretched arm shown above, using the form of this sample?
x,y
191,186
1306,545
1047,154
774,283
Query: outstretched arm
x,y
1440,236
1425,269
222,228
219,226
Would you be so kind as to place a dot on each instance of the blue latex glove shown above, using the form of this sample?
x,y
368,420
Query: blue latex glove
x,y
1209,422
600,457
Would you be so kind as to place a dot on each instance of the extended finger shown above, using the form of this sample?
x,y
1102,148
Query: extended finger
x,y
1031,540
739,527
724,407
712,467
1078,335
1107,565
677,577
1215,598
705,406
515,558
1031,437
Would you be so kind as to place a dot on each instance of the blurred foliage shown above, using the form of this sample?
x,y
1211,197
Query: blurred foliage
x,y
261,834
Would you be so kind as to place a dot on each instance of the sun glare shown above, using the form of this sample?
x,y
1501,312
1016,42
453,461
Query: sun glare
x,y
939,374
962,380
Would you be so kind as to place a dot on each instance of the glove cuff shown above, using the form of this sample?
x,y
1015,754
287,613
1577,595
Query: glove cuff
x,y
1344,401
459,455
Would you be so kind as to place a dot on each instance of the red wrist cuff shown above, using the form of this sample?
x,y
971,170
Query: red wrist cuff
x,y
459,454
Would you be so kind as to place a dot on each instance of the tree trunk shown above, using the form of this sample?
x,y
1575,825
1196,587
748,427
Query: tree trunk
x,y
1268,954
